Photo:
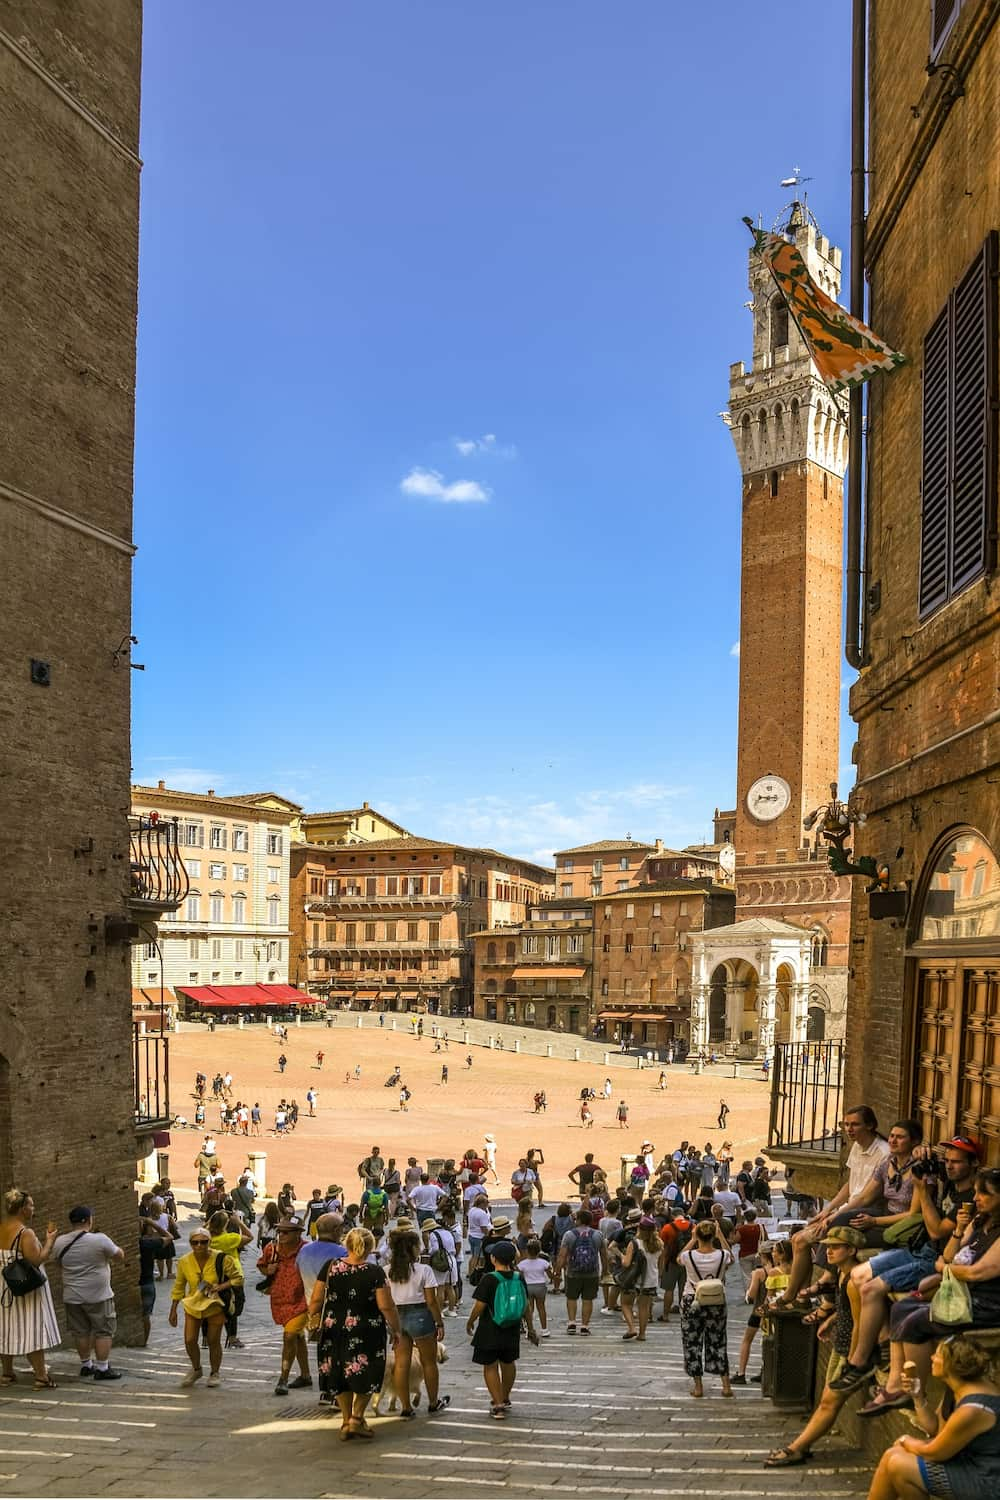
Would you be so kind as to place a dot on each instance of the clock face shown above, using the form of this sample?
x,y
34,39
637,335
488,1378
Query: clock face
x,y
768,798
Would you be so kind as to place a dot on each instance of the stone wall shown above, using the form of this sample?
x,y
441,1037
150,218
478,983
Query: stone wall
x,y
69,182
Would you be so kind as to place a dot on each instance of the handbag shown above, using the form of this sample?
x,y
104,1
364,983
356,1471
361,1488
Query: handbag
x,y
20,1276
903,1231
710,1290
952,1302
628,1278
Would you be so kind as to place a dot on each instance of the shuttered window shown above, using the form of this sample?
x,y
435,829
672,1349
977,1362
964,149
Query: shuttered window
x,y
959,407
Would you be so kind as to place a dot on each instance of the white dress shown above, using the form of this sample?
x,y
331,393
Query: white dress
x,y
27,1324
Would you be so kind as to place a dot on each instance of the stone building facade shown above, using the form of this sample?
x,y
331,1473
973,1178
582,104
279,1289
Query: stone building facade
x,y
611,865
233,926
69,182
924,1008
387,924
538,972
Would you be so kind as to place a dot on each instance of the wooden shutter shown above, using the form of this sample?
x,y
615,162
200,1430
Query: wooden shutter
x,y
959,458
936,406
974,345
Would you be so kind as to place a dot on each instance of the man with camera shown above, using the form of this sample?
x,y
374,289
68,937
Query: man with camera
x,y
943,1181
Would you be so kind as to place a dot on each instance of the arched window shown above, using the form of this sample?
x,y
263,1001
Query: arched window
x,y
819,949
491,953
490,986
779,322
509,987
551,1016
511,950
956,995
529,1013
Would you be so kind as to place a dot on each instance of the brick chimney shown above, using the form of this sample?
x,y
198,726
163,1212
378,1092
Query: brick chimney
x,y
161,786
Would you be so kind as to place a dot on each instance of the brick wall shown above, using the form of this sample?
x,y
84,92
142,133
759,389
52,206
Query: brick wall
x,y
67,326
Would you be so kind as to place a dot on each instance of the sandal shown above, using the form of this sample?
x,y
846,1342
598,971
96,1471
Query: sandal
x,y
498,1413
886,1401
360,1428
345,1434
8,1380
48,1384
787,1458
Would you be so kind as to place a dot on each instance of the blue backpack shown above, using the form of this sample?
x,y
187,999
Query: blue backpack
x,y
583,1258
509,1300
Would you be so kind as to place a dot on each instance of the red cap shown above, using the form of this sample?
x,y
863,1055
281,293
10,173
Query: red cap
x,y
966,1143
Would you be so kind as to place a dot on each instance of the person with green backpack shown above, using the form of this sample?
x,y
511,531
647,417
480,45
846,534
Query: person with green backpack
x,y
501,1306
374,1208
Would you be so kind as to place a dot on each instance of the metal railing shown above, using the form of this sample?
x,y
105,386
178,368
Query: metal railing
x,y
151,1075
158,876
807,1096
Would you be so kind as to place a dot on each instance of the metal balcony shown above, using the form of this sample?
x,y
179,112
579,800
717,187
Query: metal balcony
x,y
158,879
151,1080
807,1097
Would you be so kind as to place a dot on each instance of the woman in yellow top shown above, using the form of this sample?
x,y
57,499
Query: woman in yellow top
x,y
199,1290
229,1236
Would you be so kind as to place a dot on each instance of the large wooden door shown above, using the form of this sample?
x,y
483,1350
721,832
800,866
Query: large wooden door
x,y
956,1080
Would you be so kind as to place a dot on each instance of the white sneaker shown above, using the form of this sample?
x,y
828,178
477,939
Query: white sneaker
x,y
191,1377
214,1380
544,1333
608,1312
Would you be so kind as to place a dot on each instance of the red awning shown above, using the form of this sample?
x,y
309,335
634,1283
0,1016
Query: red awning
x,y
222,996
287,994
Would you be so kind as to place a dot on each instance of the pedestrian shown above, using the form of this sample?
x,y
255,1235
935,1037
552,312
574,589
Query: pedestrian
x,y
723,1113
414,1292
85,1261
765,1068
199,1289
490,1156
501,1304
662,1083
357,1072
267,1229
622,1115
425,1197
703,1313
243,1198
374,1209
315,1254
351,1304
404,1099
468,1059
288,1304
168,1227
199,1115
311,1101
28,1324
280,1119
151,1246
536,1268
441,1248
255,1118
586,1118
282,1062
584,1258
381,1018
536,1161
522,1182
639,1277
286,1201
319,1059
444,1072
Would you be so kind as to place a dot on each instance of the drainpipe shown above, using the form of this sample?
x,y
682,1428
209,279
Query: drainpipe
x,y
854,642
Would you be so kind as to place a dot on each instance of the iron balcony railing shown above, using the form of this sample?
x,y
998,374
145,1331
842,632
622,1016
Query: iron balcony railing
x,y
807,1096
151,1074
158,876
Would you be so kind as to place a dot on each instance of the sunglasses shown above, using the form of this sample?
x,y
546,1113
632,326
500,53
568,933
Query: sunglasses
x,y
198,1242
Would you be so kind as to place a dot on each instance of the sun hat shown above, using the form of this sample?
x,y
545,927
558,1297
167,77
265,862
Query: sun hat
x,y
501,1223
288,1225
633,1216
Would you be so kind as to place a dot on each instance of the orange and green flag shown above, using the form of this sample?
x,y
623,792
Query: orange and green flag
x,y
844,350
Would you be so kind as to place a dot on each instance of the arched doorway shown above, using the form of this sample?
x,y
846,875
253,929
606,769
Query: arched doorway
x,y
784,1003
815,1023
717,1006
955,942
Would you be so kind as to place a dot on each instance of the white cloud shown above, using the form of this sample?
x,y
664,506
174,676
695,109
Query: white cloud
x,y
428,484
485,446
185,779
734,649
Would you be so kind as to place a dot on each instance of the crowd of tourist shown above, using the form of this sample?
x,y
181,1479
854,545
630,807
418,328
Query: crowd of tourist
x,y
897,1275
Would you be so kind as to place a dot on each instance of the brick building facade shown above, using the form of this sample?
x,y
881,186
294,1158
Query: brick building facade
x,y
69,181
538,972
387,924
924,1034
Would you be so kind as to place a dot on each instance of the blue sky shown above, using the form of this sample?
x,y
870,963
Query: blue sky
x,y
437,307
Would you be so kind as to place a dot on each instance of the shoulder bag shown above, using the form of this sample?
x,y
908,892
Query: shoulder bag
x,y
20,1276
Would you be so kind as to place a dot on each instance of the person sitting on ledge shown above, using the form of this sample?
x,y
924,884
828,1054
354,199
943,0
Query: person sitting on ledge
x,y
961,1456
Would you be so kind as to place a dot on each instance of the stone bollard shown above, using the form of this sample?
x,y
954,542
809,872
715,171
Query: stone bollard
x,y
359,1022
548,1049
639,1060
491,1042
392,1024
267,1022
239,1022
298,1018
576,1054
607,1059
257,1162
465,1038
517,1044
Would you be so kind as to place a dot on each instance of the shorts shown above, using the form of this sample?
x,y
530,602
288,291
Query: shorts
x,y
416,1320
296,1324
672,1276
754,1320
584,1287
91,1319
147,1296
537,1290
900,1270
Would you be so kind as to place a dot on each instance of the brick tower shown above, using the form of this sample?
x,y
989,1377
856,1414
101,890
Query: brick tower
x,y
791,440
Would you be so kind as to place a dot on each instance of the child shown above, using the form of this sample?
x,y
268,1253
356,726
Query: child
x,y
536,1269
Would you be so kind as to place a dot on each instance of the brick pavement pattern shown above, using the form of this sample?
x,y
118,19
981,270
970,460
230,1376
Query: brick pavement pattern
x,y
590,1417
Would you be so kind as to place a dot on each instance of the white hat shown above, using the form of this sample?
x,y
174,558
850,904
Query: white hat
x,y
490,1139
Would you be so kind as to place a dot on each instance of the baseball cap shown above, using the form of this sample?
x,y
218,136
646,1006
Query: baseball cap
x,y
80,1214
843,1235
966,1143
505,1252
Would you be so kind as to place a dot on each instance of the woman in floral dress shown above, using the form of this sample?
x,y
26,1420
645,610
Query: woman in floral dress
x,y
351,1304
